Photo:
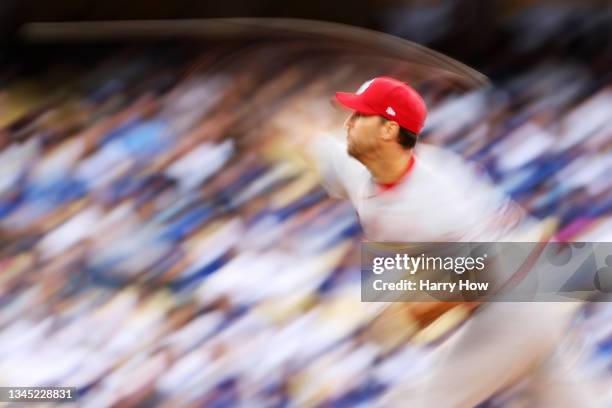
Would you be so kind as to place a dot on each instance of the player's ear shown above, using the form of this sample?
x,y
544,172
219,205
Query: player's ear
x,y
390,130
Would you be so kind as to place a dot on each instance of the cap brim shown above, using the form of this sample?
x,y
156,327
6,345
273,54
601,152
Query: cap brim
x,y
354,102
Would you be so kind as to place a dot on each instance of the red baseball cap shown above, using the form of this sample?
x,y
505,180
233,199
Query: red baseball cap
x,y
389,98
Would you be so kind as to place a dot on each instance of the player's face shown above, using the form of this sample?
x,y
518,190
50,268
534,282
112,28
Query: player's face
x,y
363,134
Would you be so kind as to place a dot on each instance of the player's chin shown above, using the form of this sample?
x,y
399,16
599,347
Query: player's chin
x,y
350,142
351,150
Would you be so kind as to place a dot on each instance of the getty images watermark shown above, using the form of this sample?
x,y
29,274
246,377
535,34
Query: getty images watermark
x,y
410,265
509,271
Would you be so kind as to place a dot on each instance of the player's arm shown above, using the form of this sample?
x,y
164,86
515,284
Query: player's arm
x,y
326,155
322,153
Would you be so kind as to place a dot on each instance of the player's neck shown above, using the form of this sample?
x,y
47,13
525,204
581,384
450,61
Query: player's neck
x,y
390,166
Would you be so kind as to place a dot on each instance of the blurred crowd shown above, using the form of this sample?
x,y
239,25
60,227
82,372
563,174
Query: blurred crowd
x,y
161,245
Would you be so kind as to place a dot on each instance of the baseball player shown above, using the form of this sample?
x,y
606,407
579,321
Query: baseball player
x,y
407,191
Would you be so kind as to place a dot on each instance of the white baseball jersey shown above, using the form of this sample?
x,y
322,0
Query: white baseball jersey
x,y
444,198
441,198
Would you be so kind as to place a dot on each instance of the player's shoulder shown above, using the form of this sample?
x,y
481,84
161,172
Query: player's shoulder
x,y
433,152
442,159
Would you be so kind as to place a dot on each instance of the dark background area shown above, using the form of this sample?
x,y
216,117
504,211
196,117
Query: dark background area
x,y
471,31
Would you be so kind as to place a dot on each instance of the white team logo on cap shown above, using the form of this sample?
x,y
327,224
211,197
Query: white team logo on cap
x,y
364,86
390,111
